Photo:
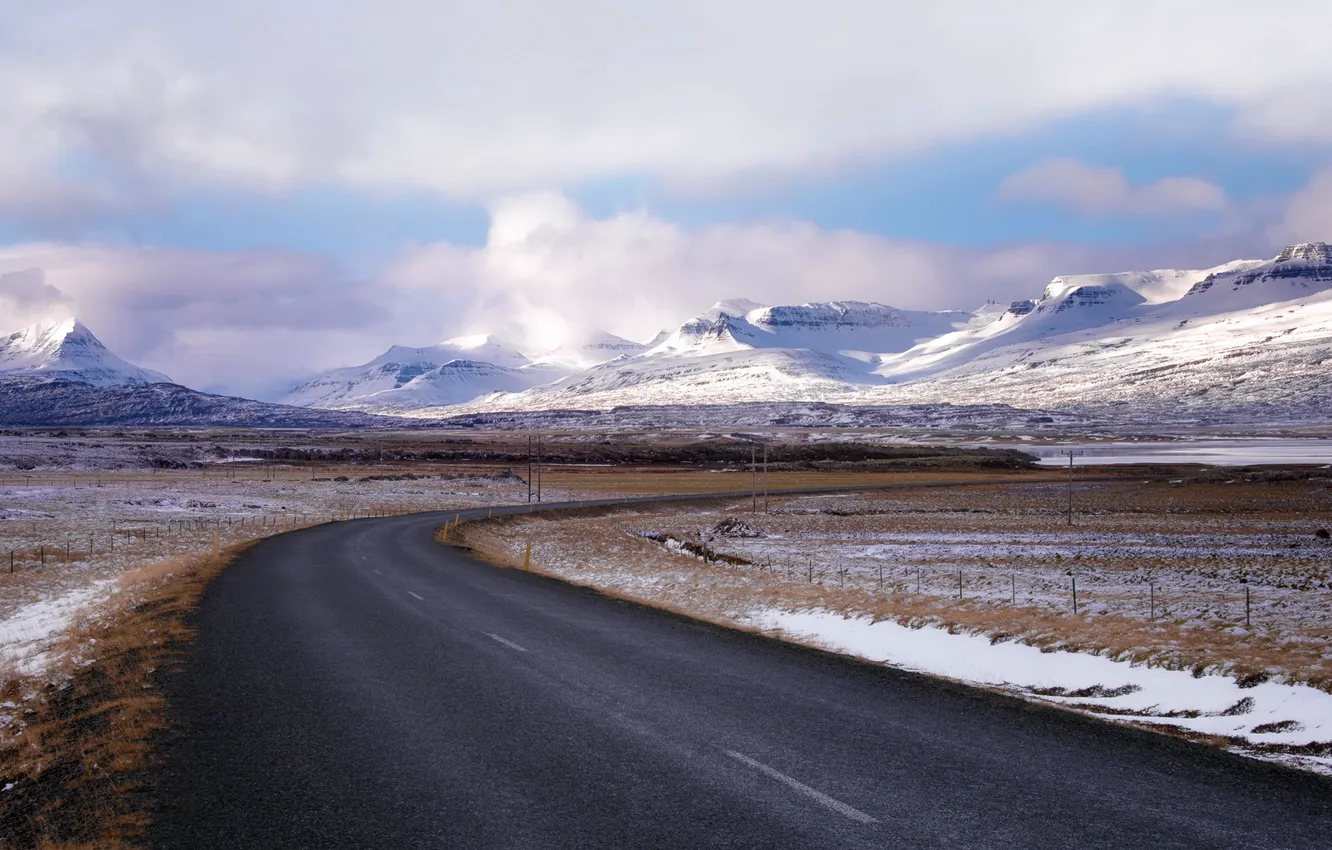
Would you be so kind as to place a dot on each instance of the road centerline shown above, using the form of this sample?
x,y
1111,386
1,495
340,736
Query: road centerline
x,y
417,595
832,803
510,644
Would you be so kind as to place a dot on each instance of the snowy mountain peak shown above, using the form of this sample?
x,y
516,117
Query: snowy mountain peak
x,y
46,337
1061,296
832,315
477,347
738,307
1304,267
485,347
1317,252
662,335
605,341
65,348
589,350
401,366
722,330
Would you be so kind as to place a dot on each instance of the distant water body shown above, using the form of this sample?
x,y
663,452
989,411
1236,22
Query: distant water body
x,y
1253,452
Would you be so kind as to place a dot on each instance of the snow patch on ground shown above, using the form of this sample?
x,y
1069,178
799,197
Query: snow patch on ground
x,y
1112,690
30,633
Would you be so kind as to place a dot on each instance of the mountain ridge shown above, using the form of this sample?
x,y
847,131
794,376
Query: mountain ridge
x,y
65,348
1247,335
1070,348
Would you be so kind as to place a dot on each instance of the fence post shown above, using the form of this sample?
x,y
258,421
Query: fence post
x,y
959,584
881,576
1152,589
1075,594
1013,580
1246,605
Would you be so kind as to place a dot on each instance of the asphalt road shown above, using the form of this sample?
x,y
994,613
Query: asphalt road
x,y
358,685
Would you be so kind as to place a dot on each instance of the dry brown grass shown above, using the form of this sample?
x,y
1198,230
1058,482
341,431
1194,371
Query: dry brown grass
x,y
656,481
79,750
599,550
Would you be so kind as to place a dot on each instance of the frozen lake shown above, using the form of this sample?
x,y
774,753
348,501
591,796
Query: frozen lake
x,y
1212,452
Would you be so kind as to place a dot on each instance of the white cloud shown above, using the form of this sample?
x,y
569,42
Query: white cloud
x,y
281,312
475,100
1105,191
1307,216
548,271
26,297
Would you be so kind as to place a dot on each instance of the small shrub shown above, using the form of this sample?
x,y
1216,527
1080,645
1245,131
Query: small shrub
x,y
1244,706
1279,726
735,527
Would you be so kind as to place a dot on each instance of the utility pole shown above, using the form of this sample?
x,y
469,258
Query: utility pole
x,y
765,479
753,480
1071,454
529,469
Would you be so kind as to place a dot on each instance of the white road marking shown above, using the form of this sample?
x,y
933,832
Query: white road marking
x,y
378,573
836,805
418,596
510,644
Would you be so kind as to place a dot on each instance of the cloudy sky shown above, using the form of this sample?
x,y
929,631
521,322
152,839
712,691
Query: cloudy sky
x,y
240,193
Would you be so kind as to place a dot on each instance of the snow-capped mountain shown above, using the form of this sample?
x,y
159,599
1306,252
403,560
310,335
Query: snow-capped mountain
x,y
1069,303
59,373
854,329
453,372
740,351
1249,334
1244,334
420,377
586,352
66,349
1255,335
454,382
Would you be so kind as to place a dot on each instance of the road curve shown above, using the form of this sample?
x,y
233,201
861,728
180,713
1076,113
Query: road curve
x,y
358,685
